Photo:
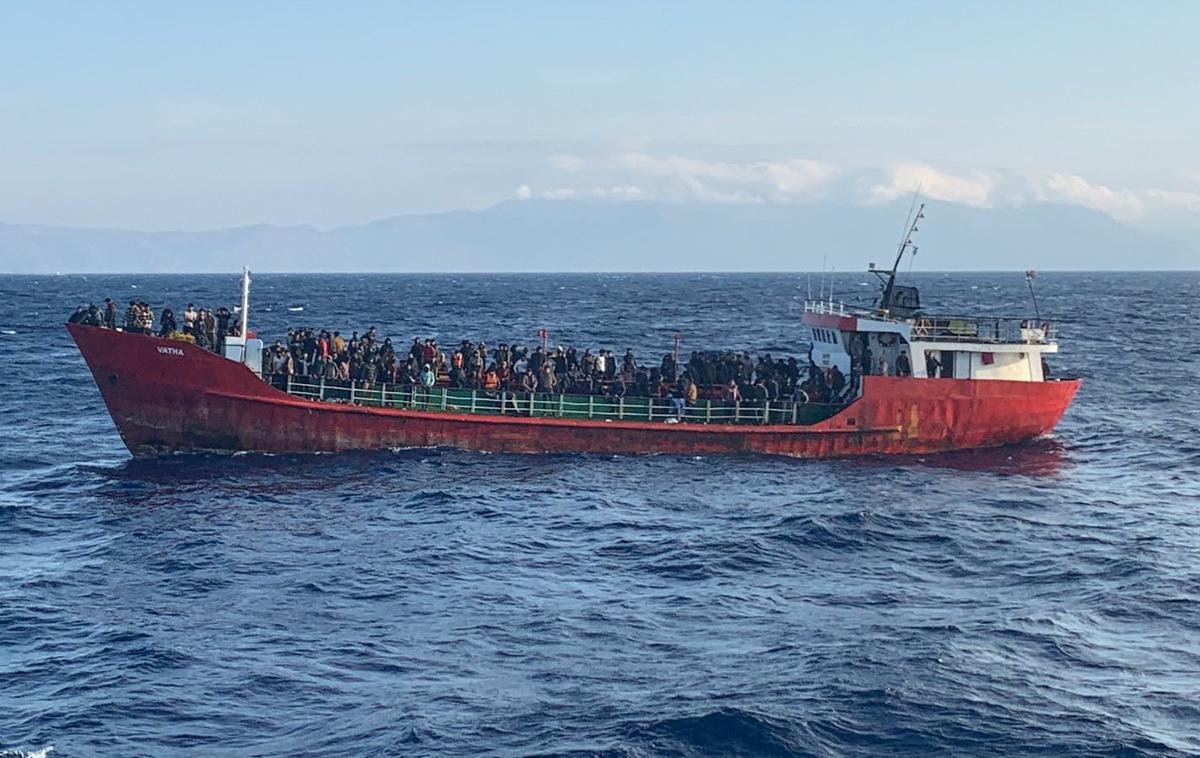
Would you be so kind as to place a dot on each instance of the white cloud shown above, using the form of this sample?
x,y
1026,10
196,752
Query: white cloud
x,y
701,191
907,178
621,192
722,181
799,180
1123,205
613,192
1075,190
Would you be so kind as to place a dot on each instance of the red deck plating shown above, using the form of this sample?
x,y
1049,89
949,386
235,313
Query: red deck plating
x,y
166,396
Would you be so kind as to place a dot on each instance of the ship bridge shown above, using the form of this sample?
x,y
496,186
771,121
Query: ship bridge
x,y
872,341
896,338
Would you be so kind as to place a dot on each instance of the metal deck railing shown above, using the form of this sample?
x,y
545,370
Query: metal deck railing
x,y
546,405
981,329
947,328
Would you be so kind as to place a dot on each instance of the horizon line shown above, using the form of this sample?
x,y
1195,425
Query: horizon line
x,y
594,273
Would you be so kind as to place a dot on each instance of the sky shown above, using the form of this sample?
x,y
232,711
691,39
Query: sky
x,y
152,115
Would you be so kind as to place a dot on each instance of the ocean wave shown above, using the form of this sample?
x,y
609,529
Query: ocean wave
x,y
1034,598
39,753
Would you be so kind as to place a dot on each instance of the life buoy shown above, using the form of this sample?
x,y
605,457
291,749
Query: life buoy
x,y
887,339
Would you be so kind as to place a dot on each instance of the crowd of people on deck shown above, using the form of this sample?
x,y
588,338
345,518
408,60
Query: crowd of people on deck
x,y
370,360
203,327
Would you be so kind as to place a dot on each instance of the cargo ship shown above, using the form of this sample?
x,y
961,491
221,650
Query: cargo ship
x,y
912,383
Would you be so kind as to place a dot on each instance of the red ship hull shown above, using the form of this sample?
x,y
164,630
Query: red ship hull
x,y
167,396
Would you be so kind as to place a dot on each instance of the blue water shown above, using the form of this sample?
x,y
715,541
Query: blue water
x,y
1036,599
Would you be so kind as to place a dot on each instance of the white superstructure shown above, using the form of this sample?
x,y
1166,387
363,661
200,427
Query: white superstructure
x,y
952,347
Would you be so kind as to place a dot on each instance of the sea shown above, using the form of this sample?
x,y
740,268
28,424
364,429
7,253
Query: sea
x,y
1036,599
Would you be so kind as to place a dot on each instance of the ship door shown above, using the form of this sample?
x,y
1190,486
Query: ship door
x,y
947,360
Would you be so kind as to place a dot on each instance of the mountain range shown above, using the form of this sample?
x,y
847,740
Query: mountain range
x,y
576,235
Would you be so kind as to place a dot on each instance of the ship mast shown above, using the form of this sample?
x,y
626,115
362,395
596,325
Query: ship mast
x,y
906,243
245,303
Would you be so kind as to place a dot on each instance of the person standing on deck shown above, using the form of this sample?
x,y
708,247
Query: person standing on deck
x,y
903,366
932,365
667,367
145,318
732,394
529,382
560,366
678,403
837,381
546,378
629,363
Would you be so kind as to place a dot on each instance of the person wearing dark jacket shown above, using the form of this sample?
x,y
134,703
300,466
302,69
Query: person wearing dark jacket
x,y
932,365
166,323
837,381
